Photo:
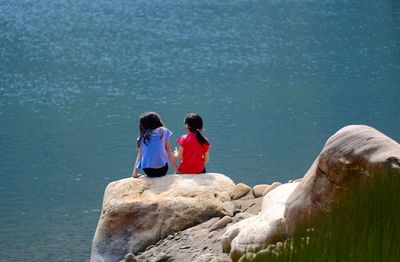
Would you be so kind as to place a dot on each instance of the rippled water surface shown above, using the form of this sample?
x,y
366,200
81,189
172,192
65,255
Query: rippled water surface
x,y
273,80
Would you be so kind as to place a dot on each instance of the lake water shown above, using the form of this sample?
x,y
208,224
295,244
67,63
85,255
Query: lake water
x,y
273,79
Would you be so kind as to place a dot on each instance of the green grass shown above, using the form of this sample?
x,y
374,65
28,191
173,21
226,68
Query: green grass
x,y
364,227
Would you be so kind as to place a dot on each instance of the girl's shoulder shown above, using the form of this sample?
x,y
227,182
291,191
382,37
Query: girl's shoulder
x,y
184,135
182,139
163,131
160,129
190,137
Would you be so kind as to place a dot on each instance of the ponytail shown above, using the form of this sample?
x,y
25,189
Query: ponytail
x,y
202,140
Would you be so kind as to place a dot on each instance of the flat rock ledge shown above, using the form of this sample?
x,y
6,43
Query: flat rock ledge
x,y
137,213
209,218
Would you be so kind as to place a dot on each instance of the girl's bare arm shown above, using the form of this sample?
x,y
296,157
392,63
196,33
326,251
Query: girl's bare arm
x,y
135,169
206,157
171,156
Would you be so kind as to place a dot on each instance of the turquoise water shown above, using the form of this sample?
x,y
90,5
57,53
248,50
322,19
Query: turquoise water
x,y
272,79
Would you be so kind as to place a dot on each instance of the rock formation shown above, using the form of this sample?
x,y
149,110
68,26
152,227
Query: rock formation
x,y
352,155
209,218
139,212
201,243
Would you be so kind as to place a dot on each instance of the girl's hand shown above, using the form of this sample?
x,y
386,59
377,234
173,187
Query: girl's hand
x,y
176,152
135,174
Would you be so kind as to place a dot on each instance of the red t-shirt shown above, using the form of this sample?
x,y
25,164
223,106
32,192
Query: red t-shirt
x,y
193,154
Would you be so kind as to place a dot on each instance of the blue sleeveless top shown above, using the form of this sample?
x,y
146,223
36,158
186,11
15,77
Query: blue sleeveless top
x,y
154,153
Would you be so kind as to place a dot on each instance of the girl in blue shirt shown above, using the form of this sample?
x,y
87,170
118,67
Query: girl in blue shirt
x,y
154,147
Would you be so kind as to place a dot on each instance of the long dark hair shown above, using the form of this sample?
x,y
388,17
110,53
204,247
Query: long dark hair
x,y
194,124
148,122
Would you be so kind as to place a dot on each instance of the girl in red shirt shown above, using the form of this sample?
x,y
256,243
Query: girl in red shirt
x,y
193,150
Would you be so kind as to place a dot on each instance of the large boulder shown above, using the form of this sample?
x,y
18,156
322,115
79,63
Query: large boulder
x,y
251,234
136,213
354,154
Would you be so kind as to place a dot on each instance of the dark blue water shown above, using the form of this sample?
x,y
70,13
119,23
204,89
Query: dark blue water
x,y
272,80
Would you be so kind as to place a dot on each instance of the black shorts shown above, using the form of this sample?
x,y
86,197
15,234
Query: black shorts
x,y
202,171
156,172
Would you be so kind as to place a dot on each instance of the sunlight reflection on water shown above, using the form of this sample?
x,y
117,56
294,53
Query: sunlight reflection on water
x,y
272,79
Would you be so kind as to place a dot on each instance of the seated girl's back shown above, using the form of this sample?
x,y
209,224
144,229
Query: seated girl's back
x,y
194,148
